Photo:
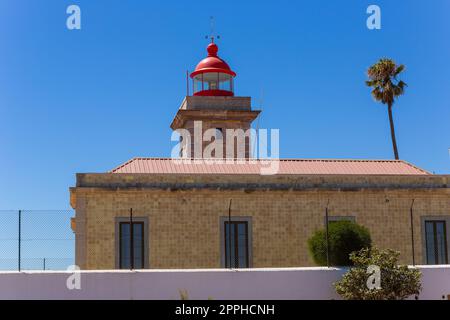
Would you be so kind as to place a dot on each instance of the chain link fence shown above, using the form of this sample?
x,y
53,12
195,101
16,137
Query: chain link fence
x,y
36,240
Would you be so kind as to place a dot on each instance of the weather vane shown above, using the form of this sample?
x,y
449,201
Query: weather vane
x,y
212,35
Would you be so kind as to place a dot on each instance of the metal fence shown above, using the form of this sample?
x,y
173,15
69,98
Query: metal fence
x,y
36,240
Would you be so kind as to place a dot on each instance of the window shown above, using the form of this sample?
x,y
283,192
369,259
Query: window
x,y
131,243
236,243
219,134
225,82
198,83
436,242
213,81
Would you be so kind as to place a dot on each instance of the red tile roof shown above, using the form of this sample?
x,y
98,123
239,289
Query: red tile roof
x,y
286,167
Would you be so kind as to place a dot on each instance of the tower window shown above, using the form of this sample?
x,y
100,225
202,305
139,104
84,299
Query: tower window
x,y
219,133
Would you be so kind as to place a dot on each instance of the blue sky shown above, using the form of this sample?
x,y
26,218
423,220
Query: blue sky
x,y
88,100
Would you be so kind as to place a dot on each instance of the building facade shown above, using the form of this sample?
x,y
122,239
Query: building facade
x,y
162,213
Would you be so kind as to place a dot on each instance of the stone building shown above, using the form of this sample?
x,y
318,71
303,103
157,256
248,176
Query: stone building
x,y
162,213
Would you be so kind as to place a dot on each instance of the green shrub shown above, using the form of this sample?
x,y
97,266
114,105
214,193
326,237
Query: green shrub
x,y
344,238
395,282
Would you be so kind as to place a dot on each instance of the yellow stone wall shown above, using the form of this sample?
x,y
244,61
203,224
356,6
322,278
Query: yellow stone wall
x,y
184,230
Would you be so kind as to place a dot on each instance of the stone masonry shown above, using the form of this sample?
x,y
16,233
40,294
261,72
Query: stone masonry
x,y
183,214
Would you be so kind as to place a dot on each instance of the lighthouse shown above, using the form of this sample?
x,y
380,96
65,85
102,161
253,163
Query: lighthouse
x,y
214,105
212,76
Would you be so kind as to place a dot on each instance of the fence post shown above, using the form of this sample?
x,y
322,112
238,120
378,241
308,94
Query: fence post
x,y
412,233
20,240
229,234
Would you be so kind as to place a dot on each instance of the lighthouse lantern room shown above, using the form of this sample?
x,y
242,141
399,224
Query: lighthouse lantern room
x,y
213,76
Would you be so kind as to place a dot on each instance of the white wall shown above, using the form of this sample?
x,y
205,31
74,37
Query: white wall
x,y
286,283
435,282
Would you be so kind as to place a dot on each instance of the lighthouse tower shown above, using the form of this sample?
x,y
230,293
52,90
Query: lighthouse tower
x,y
213,105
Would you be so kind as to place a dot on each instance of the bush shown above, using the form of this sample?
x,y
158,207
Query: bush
x,y
344,238
395,282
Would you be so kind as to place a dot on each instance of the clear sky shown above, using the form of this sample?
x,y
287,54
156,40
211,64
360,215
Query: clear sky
x,y
88,100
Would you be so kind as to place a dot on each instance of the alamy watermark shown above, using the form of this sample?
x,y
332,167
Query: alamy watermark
x,y
218,146
73,282
73,22
374,280
374,20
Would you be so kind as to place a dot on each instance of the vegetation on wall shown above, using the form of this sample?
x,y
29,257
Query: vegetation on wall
x,y
344,238
395,282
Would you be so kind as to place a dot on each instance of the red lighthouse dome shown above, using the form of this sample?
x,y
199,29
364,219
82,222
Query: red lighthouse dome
x,y
213,76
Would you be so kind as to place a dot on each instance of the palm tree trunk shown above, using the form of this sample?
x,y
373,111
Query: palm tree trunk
x,y
391,122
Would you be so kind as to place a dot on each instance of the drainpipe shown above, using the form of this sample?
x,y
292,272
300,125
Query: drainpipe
x,y
327,235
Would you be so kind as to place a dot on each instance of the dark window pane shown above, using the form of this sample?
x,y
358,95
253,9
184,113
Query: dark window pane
x,y
429,230
436,242
228,248
138,230
441,242
236,244
232,246
242,228
242,257
125,245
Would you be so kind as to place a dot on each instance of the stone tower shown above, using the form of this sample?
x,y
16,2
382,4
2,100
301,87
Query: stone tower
x,y
214,106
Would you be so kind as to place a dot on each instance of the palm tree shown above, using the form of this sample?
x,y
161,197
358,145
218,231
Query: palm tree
x,y
386,88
